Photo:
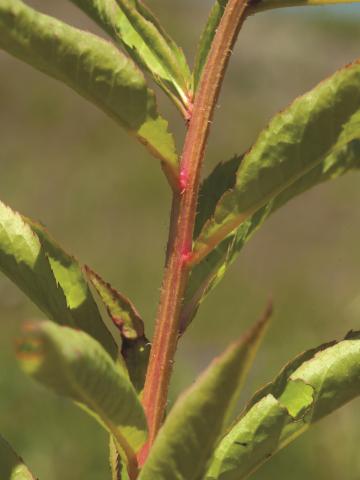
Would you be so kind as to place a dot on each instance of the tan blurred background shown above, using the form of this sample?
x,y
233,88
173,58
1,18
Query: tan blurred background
x,y
66,164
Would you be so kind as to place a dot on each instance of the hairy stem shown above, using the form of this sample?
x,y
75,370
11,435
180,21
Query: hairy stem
x,y
181,234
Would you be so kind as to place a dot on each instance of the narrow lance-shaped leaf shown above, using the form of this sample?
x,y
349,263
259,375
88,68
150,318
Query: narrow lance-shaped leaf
x,y
91,66
135,347
23,259
12,466
48,276
133,25
321,124
207,37
312,386
261,5
75,365
316,126
71,279
186,440
206,275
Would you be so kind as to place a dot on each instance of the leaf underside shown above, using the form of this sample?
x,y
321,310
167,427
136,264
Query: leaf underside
x,y
134,27
135,347
314,140
74,365
309,388
92,67
186,440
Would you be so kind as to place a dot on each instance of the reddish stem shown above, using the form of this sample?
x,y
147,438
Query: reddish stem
x,y
181,233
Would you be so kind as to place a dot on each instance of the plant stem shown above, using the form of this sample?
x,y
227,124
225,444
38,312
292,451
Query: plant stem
x,y
184,207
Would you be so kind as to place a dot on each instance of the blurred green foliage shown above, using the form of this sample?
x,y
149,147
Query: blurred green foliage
x,y
66,164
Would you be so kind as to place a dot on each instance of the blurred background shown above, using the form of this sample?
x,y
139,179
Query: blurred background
x,y
101,195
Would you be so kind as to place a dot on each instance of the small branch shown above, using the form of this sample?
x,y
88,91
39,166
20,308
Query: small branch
x,y
181,233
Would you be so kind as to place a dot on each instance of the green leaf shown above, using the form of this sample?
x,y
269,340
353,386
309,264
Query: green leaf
x,y
23,259
207,37
135,346
312,386
185,442
48,276
223,180
210,271
94,68
12,466
261,5
74,365
131,24
70,277
318,125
